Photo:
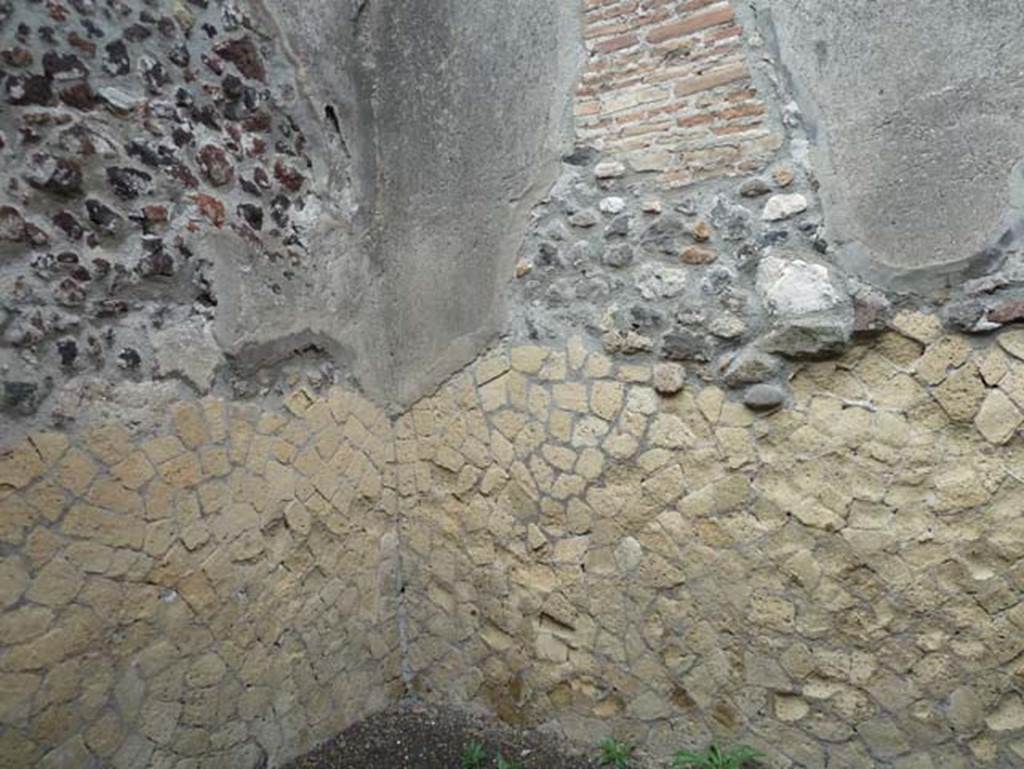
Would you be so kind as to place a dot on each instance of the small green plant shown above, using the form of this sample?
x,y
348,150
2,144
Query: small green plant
x,y
715,758
503,763
616,753
473,756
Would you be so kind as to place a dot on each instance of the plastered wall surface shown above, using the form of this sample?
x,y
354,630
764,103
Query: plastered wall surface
x,y
531,366
914,130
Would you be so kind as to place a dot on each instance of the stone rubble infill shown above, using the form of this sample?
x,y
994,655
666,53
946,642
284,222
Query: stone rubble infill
x,y
135,150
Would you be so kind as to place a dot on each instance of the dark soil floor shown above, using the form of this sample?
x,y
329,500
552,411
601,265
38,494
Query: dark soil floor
x,y
414,736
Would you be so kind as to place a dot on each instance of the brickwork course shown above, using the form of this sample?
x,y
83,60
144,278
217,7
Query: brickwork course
x,y
668,89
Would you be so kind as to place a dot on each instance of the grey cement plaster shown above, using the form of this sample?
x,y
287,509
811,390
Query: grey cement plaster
x,y
914,112
451,120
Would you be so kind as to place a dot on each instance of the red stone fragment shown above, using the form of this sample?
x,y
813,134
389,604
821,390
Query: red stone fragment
x,y
16,57
288,177
243,54
215,165
1007,312
212,209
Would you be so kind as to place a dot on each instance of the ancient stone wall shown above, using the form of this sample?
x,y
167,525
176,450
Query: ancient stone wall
x,y
718,484
612,548
219,593
705,475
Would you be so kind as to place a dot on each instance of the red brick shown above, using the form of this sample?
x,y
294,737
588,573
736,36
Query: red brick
x,y
698,21
714,78
728,130
694,120
616,43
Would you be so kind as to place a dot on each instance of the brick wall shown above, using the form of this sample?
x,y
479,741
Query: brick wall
x,y
668,89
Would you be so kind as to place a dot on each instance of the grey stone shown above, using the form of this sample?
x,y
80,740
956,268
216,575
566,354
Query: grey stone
x,y
120,101
619,255
21,397
581,155
583,219
796,287
618,227
811,316
780,207
968,316
683,344
811,336
664,236
871,310
753,188
733,222
727,325
581,253
190,351
612,205
609,169
655,281
763,397
750,366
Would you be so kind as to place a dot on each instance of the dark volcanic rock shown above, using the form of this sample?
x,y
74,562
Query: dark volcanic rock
x,y
58,175
128,183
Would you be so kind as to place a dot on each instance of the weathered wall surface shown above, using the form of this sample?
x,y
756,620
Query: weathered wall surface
x,y
613,549
204,192
219,593
725,477
164,206
459,173
769,495
913,115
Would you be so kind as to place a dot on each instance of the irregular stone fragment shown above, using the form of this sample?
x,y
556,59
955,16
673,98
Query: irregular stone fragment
x,y
669,378
657,282
754,188
811,315
998,418
698,255
628,555
763,397
751,366
128,183
190,351
612,205
242,52
1013,342
683,344
215,165
120,101
1008,716
58,175
780,207
1007,312
12,225
610,169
